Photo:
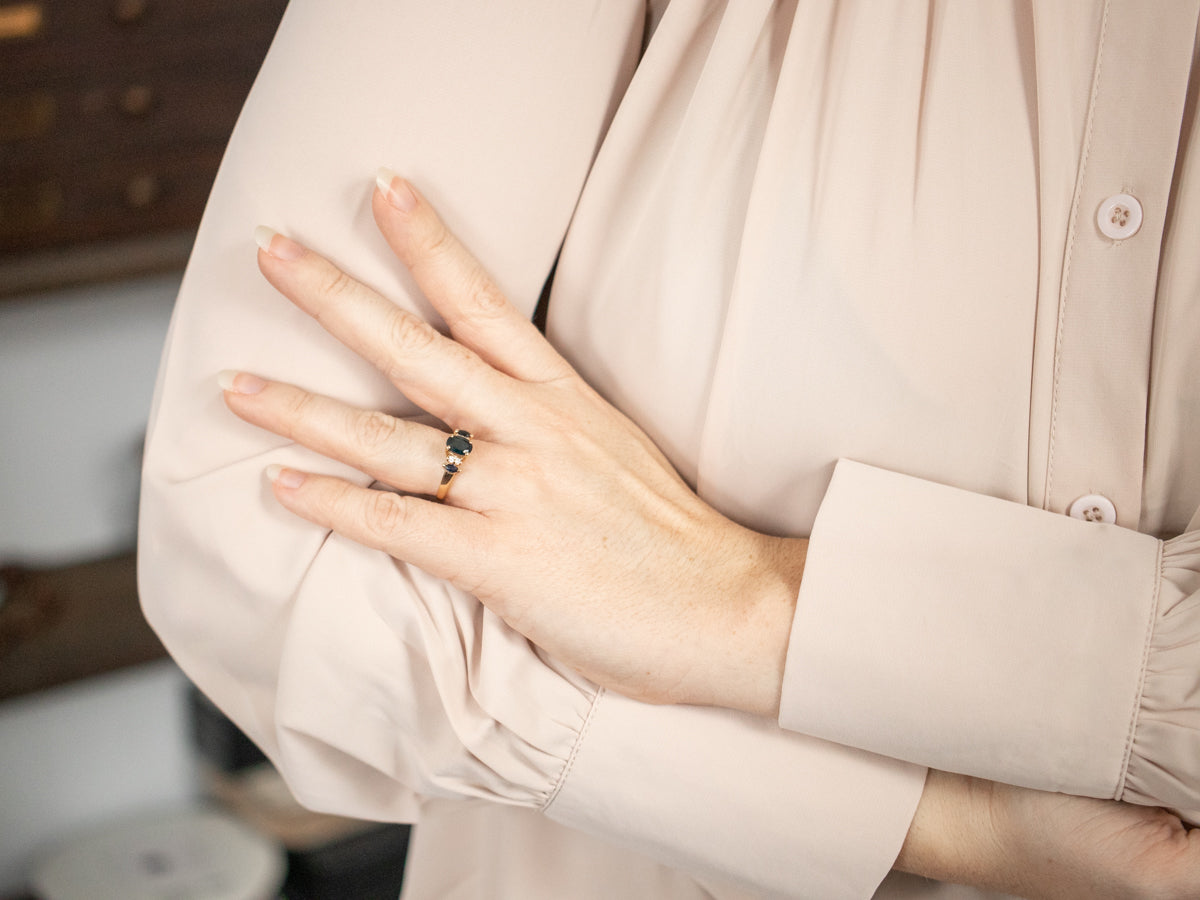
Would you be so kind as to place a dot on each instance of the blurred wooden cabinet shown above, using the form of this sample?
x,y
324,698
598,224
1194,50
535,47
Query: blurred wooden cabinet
x,y
113,118
114,115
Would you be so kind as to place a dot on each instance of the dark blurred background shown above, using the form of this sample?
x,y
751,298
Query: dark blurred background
x,y
113,118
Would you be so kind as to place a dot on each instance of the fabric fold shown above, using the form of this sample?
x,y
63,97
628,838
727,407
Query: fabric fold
x,y
367,681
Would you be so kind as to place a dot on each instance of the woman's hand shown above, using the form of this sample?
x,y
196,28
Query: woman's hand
x,y
565,519
1048,846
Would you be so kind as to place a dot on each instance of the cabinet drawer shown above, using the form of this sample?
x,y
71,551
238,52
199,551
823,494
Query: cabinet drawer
x,y
46,206
83,125
59,55
113,119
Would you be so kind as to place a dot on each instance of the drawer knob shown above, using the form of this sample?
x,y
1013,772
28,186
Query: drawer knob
x,y
20,20
136,100
143,191
129,12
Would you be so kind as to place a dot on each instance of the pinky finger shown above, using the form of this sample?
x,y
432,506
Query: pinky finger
x,y
407,528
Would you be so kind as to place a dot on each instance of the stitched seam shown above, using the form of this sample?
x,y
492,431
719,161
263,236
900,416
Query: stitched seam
x,y
1070,253
1141,686
575,748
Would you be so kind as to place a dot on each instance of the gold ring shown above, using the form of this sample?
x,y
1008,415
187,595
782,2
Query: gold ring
x,y
458,448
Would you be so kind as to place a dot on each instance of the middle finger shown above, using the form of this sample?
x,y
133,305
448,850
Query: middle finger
x,y
406,455
435,372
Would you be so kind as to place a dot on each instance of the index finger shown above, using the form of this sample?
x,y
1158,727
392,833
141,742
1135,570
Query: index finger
x,y
458,286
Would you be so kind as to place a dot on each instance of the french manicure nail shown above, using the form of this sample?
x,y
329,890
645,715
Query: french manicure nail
x,y
395,189
288,478
240,382
276,244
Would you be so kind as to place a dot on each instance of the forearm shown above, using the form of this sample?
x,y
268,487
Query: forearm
x,y
1047,846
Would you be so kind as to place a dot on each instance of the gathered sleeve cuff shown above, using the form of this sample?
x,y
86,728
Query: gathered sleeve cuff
x,y
1164,762
984,637
368,683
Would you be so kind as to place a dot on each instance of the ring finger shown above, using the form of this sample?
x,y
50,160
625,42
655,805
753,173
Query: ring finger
x,y
406,455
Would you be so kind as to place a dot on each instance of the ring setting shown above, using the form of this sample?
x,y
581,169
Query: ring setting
x,y
458,448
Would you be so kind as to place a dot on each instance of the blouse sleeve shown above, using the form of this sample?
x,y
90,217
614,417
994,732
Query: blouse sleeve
x,y
333,658
366,681
985,637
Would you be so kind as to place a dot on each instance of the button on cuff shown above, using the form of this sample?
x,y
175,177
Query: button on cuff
x,y
1093,508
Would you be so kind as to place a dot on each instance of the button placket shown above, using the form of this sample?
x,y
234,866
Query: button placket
x,y
1119,217
1097,408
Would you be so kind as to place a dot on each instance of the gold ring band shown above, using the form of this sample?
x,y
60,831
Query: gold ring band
x,y
458,448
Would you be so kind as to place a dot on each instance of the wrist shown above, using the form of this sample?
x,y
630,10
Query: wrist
x,y
751,634
953,834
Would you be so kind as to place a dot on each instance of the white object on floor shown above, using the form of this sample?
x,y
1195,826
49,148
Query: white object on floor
x,y
193,854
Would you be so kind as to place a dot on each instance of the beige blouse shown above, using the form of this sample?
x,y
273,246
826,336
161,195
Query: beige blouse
x,y
917,279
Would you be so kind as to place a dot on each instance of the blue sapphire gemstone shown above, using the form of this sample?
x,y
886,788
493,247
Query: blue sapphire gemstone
x,y
458,445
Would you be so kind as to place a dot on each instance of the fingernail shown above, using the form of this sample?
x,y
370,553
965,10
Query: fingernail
x,y
395,189
276,244
288,478
240,382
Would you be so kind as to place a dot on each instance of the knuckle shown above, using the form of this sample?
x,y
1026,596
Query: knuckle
x,y
374,429
484,296
410,334
299,406
384,516
438,241
336,284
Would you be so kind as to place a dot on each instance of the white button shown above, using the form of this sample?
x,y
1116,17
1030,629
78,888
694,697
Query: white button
x,y
1119,216
1093,508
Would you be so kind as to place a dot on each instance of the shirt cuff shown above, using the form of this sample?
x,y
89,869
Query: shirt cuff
x,y
984,637
716,792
